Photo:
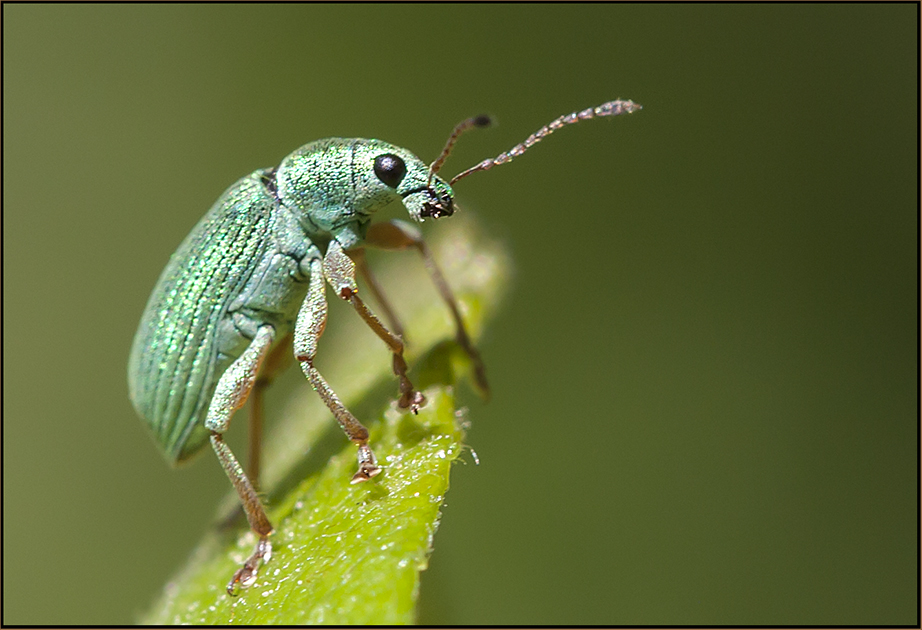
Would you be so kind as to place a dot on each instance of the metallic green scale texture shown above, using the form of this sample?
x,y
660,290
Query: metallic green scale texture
x,y
246,263
255,269
175,359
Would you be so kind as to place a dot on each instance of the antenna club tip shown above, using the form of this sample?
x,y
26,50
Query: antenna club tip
x,y
611,108
483,120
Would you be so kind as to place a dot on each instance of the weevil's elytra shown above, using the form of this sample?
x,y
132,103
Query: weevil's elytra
x,y
253,273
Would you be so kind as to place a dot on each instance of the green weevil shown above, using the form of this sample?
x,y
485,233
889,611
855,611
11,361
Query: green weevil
x,y
249,281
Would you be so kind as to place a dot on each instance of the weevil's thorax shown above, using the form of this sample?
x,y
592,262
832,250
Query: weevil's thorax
x,y
334,186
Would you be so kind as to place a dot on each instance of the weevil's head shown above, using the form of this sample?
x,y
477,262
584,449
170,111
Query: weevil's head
x,y
334,183
424,193
423,196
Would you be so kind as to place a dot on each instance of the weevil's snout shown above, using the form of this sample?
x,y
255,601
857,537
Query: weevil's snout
x,y
429,203
437,206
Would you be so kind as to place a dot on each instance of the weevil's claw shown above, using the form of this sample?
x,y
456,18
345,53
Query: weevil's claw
x,y
412,401
367,466
246,575
242,579
366,472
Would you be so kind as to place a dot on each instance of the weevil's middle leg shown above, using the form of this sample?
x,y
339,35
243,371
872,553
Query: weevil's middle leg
x,y
339,270
312,319
230,394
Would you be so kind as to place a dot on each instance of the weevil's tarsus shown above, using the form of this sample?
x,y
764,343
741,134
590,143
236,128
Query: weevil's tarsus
x,y
368,467
246,575
475,121
398,235
611,108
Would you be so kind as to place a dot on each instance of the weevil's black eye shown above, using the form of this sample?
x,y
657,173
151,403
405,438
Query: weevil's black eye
x,y
390,169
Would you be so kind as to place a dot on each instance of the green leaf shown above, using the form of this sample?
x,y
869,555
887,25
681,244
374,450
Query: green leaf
x,y
352,554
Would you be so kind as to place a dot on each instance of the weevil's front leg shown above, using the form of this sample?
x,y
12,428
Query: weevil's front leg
x,y
312,319
339,271
396,235
230,394
361,265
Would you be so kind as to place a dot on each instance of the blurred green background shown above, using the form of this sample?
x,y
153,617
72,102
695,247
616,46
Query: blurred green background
x,y
705,379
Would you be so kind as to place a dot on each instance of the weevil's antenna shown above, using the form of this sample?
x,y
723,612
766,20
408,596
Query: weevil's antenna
x,y
477,121
611,108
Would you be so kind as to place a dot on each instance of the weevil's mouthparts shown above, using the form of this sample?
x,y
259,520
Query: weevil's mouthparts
x,y
425,203
437,208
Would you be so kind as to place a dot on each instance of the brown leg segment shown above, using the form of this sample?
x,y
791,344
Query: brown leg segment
x,y
339,270
311,321
277,361
396,235
374,287
231,393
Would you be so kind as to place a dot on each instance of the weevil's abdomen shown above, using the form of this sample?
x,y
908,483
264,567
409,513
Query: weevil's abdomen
x,y
182,345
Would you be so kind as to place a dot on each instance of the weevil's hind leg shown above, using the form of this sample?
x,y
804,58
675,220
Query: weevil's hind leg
x,y
230,394
312,319
361,265
339,271
275,363
395,235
